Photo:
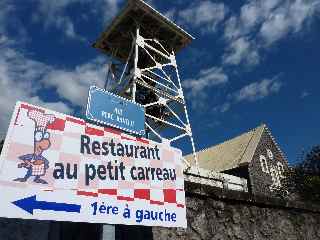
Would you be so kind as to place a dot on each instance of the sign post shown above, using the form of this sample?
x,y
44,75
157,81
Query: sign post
x,y
57,167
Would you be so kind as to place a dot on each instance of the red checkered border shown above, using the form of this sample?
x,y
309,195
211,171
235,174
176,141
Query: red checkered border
x,y
169,195
59,125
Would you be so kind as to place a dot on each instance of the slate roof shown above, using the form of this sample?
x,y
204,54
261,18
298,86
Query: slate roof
x,y
230,154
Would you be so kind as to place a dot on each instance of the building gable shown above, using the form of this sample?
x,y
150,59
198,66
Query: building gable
x,y
233,153
267,166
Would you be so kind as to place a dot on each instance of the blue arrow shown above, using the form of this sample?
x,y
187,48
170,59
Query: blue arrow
x,y
30,203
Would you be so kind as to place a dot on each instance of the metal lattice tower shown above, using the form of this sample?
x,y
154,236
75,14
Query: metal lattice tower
x,y
142,45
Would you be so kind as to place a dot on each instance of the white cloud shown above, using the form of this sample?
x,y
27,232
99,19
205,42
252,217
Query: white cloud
x,y
262,23
54,14
197,88
205,15
241,51
305,94
67,27
25,79
288,18
19,78
73,84
5,9
10,20
206,78
249,19
171,14
251,93
3,39
255,12
223,108
108,8
258,90
151,3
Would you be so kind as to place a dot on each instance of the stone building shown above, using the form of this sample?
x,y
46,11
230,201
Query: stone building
x,y
254,155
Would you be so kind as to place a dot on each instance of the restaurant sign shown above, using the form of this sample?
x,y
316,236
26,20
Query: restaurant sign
x,y
57,167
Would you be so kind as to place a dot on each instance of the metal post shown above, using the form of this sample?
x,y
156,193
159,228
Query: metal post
x,y
136,57
189,130
108,232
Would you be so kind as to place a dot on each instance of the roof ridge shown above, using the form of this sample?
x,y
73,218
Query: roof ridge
x,y
229,140
276,144
256,138
247,145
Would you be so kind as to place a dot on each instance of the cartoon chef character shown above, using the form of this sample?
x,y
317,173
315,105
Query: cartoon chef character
x,y
35,163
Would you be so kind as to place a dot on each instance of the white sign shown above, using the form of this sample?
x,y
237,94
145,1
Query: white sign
x,y
57,167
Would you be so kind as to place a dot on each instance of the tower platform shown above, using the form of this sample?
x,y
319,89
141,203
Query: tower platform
x,y
116,40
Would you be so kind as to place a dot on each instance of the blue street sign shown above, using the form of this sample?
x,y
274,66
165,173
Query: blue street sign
x,y
106,108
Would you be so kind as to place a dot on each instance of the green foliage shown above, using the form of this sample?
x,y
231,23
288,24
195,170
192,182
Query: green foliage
x,y
303,180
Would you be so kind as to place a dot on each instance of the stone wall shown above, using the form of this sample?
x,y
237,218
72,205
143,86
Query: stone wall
x,y
213,213
218,215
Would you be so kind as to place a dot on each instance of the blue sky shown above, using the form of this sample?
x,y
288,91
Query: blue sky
x,y
251,62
